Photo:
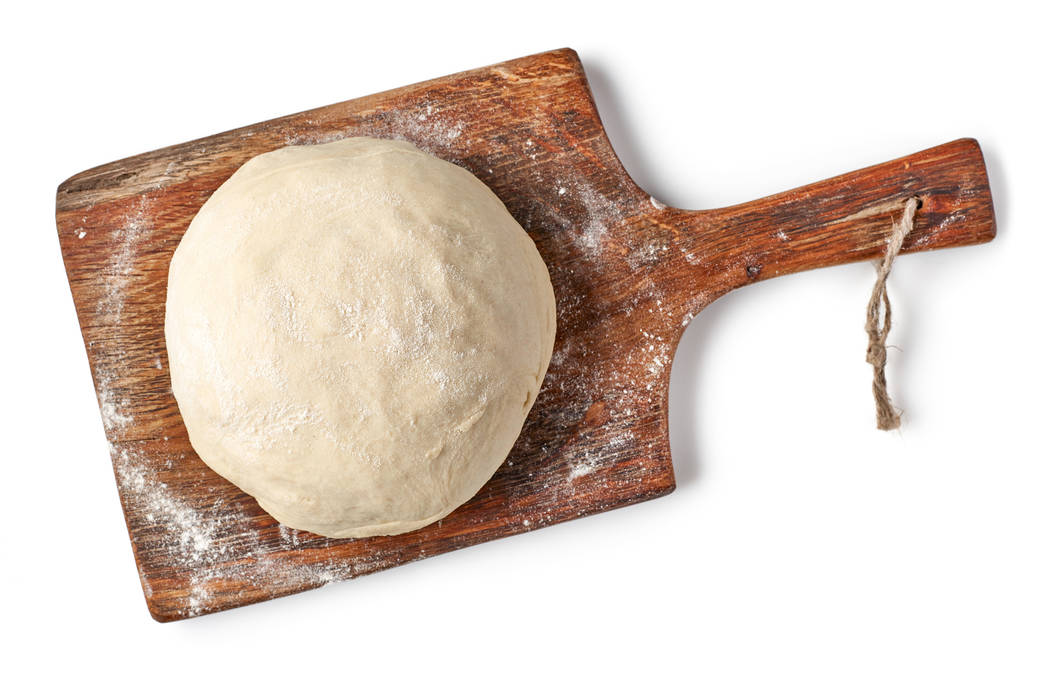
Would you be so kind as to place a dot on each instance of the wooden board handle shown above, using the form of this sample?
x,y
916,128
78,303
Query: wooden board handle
x,y
837,221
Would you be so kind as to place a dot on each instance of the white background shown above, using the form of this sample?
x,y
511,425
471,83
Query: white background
x,y
800,541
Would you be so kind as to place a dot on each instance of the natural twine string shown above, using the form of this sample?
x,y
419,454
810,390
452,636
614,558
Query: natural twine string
x,y
878,323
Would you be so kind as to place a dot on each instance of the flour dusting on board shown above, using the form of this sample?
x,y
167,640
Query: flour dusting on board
x,y
619,378
600,212
125,244
216,542
188,535
117,275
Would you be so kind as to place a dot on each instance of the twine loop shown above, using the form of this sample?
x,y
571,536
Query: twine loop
x,y
879,320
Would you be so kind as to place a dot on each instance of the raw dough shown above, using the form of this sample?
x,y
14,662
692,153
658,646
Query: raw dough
x,y
356,332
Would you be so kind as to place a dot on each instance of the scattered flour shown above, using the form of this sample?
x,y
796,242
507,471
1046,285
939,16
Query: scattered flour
x,y
117,276
216,544
625,377
118,272
580,469
590,236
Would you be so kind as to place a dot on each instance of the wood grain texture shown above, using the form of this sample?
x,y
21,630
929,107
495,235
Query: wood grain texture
x,y
628,275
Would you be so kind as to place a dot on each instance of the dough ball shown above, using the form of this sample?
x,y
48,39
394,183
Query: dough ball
x,y
356,332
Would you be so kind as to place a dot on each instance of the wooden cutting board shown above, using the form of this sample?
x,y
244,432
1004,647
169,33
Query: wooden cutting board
x,y
628,272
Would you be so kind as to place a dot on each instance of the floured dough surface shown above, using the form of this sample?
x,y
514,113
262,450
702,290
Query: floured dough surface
x,y
356,332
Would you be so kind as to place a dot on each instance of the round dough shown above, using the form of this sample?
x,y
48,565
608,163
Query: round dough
x,y
356,332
